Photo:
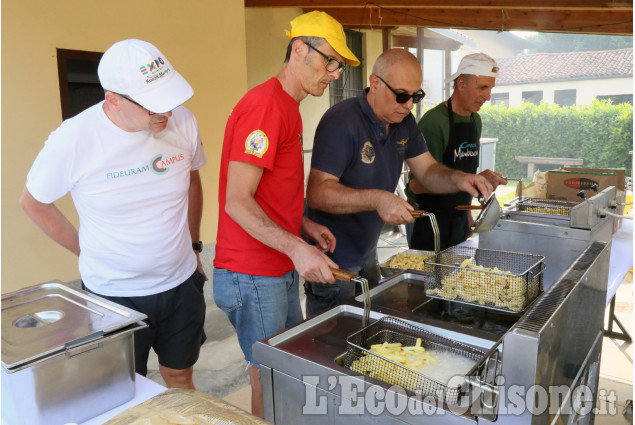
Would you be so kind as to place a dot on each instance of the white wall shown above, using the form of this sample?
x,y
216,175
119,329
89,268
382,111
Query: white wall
x,y
433,75
586,90
205,40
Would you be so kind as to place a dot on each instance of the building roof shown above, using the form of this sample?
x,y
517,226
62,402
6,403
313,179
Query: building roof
x,y
549,67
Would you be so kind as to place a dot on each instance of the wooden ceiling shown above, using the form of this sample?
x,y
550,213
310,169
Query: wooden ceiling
x,y
610,17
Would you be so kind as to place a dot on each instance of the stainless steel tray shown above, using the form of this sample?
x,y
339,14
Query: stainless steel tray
x,y
388,271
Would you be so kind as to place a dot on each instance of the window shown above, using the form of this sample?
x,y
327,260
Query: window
x,y
564,97
500,99
534,97
351,83
79,83
616,99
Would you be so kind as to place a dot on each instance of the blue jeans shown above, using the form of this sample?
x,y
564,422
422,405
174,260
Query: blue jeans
x,y
257,306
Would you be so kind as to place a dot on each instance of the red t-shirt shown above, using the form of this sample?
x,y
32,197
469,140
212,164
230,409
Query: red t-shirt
x,y
265,128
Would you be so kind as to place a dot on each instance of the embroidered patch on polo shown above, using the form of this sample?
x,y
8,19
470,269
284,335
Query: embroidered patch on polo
x,y
257,143
368,153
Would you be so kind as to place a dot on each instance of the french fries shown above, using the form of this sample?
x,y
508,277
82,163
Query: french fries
x,y
411,357
500,288
407,261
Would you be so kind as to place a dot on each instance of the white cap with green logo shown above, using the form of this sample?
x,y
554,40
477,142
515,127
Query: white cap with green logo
x,y
139,70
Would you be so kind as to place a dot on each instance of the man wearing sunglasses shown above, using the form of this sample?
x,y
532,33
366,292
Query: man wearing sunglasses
x,y
358,153
259,251
131,166
452,131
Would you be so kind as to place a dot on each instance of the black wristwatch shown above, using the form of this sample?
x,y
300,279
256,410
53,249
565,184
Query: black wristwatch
x,y
197,246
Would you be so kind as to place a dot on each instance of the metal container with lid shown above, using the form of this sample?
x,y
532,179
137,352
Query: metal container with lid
x,y
67,355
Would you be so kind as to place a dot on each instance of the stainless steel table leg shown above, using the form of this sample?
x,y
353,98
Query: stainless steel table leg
x,y
610,333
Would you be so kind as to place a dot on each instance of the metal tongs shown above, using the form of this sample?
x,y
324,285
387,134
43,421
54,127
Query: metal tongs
x,y
433,223
346,276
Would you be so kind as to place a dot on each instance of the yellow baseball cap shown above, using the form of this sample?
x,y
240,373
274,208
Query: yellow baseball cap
x,y
323,25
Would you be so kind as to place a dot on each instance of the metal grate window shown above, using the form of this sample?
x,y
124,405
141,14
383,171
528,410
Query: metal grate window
x,y
564,97
351,83
79,83
534,97
500,98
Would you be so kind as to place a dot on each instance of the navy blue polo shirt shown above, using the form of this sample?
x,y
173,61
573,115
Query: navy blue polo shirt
x,y
351,143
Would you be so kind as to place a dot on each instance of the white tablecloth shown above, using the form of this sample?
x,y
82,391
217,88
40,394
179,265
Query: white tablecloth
x,y
145,389
621,257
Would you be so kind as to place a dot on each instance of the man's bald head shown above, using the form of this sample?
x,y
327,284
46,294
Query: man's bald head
x,y
392,58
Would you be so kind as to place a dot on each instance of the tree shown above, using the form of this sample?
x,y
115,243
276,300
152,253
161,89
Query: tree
x,y
556,43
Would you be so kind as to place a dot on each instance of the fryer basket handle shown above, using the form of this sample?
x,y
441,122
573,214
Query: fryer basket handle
x,y
343,275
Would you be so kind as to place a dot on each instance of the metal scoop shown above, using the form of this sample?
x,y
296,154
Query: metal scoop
x,y
489,216
347,276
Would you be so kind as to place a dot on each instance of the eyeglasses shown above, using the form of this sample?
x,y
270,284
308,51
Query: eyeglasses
x,y
332,64
404,97
132,101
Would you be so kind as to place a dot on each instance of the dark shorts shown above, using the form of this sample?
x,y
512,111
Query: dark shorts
x,y
175,324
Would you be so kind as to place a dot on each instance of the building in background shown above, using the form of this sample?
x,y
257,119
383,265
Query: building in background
x,y
572,78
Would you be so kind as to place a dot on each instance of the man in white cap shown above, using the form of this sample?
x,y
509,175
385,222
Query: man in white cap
x,y
131,166
452,131
259,250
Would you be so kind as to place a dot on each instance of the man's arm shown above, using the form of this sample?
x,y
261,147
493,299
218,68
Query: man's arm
x,y
494,178
243,179
326,193
195,213
439,178
51,220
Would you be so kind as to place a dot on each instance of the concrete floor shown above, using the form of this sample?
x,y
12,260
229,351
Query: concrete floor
x,y
221,370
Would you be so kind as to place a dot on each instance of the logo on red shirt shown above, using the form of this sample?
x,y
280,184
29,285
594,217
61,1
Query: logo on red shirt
x,y
257,143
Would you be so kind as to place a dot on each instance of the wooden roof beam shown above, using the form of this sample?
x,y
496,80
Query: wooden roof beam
x,y
609,22
445,4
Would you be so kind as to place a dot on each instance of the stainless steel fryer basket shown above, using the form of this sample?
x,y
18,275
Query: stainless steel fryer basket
x,y
392,330
546,206
512,283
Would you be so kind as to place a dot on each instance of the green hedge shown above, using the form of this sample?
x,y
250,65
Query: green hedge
x,y
600,133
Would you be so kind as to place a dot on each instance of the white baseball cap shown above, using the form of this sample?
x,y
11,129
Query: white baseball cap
x,y
138,69
476,64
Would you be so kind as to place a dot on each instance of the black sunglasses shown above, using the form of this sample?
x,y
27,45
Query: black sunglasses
x,y
404,97
332,64
132,101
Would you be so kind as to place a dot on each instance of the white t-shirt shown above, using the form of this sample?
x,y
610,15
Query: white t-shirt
x,y
131,194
